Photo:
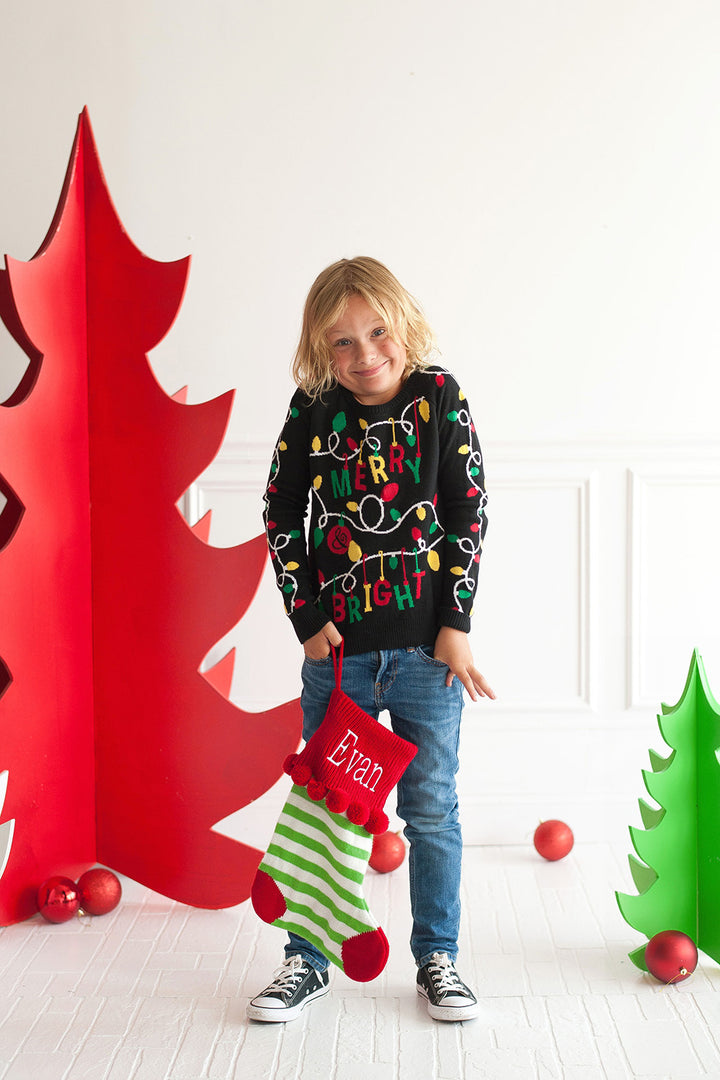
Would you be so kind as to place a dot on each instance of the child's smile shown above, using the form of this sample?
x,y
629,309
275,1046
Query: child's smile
x,y
366,360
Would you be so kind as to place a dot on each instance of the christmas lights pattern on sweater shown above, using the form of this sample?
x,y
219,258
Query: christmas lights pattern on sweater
x,y
397,513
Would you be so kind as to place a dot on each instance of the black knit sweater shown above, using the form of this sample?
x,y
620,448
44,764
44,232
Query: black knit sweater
x,y
397,514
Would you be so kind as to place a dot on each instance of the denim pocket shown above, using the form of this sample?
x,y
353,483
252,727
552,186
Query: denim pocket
x,y
425,652
318,663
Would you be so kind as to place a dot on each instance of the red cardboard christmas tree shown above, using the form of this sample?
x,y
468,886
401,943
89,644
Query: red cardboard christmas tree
x,y
117,748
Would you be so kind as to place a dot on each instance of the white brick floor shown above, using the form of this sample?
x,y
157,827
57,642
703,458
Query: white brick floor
x,y
156,990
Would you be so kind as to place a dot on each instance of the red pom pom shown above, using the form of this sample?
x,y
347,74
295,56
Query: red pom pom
x,y
337,801
289,763
357,813
316,790
301,774
377,822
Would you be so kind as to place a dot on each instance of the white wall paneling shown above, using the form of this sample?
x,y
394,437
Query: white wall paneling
x,y
232,489
674,594
533,611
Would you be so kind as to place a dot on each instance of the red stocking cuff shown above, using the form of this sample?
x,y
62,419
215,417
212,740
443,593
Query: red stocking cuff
x,y
353,762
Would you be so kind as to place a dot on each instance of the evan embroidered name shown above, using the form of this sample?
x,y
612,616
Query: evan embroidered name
x,y
347,754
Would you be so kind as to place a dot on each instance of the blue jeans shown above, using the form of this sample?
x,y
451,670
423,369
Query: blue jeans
x,y
410,684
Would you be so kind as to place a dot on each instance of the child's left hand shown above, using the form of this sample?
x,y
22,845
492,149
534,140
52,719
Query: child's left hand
x,y
453,648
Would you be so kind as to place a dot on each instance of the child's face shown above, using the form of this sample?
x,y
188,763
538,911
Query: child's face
x,y
366,360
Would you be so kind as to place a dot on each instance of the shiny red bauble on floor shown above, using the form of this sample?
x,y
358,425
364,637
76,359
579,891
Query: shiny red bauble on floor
x,y
58,899
388,851
671,956
553,840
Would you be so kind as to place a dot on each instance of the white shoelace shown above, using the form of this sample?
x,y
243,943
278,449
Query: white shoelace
x,y
443,974
286,977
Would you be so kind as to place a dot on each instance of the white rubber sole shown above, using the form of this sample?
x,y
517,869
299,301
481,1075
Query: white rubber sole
x,y
449,1012
269,1015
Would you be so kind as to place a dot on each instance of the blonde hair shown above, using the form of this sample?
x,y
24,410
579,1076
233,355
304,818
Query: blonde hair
x,y
366,277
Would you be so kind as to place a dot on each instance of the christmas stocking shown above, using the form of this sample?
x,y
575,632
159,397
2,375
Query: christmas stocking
x,y
311,878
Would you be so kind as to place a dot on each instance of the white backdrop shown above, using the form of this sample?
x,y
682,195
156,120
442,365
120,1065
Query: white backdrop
x,y
544,177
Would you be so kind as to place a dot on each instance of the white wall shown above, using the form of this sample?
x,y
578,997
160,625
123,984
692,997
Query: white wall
x,y
544,177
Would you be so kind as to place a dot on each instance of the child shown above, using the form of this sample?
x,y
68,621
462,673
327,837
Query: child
x,y
384,446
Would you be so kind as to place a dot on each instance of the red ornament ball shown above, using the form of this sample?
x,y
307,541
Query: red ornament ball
x,y
553,840
671,956
100,891
388,851
58,899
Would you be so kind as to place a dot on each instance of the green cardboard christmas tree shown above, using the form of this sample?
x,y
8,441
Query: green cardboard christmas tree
x,y
678,879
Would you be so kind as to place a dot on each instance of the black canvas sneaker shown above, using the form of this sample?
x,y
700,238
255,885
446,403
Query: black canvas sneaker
x,y
448,998
295,985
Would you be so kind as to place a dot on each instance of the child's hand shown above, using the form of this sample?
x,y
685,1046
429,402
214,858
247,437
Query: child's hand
x,y
453,648
318,646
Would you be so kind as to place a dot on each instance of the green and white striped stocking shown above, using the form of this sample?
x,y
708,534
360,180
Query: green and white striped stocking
x,y
311,883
